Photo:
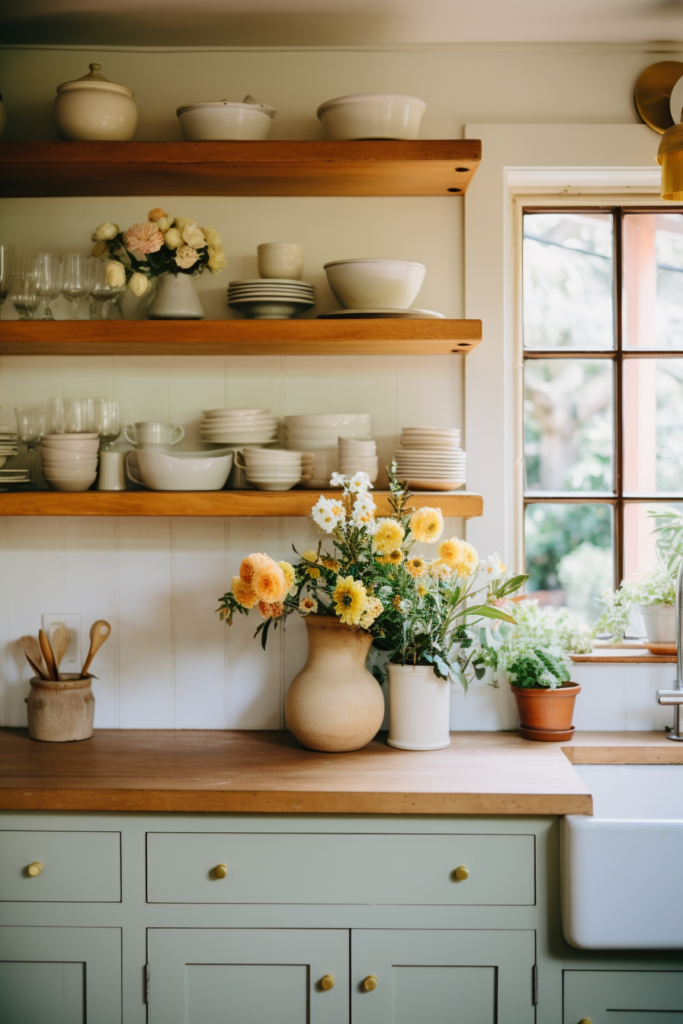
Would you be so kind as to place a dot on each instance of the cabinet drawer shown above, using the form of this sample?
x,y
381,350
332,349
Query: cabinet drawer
x,y
336,868
76,867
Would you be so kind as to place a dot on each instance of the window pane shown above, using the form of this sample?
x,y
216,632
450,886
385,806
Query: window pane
x,y
569,556
653,426
568,424
653,280
640,543
568,293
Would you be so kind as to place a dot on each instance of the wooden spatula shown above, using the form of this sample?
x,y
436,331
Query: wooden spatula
x,y
99,632
34,657
48,657
60,644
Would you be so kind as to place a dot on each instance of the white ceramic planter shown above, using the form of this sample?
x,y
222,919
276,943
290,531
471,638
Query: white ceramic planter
x,y
419,708
660,622
175,299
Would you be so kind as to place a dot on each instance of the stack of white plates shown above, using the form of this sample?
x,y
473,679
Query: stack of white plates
x,y
431,459
315,433
273,298
239,426
9,445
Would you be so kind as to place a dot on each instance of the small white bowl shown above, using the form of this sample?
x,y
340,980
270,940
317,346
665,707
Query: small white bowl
x,y
281,260
89,466
373,284
72,485
65,455
332,419
87,478
70,446
353,446
372,116
202,122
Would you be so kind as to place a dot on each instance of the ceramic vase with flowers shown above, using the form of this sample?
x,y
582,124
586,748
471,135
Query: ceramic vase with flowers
x,y
171,250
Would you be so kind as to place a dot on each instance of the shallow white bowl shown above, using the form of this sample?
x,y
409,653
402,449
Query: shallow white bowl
x,y
84,466
70,446
71,485
202,122
74,474
271,309
57,455
210,413
162,472
331,419
368,283
372,116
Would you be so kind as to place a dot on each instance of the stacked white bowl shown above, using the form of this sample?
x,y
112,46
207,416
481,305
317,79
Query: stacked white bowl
x,y
431,459
270,469
319,434
239,426
70,460
358,457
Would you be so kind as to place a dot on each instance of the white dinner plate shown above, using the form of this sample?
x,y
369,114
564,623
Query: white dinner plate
x,y
382,314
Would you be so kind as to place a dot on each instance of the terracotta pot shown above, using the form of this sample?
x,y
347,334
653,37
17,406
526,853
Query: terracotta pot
x,y
334,703
60,712
546,714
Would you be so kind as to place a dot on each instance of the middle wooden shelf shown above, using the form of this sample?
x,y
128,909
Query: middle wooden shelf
x,y
238,337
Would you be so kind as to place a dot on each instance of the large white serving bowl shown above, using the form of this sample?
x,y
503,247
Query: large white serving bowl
x,y
331,419
56,455
162,472
368,283
205,122
375,115
51,443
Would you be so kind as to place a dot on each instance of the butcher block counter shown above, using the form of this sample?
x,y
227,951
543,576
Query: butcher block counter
x,y
482,773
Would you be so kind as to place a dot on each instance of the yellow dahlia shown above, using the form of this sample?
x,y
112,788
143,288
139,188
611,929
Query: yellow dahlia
x,y
269,583
393,558
440,570
331,563
388,536
271,609
312,572
350,600
307,605
450,551
310,556
416,567
288,573
426,525
251,563
375,608
244,595
467,561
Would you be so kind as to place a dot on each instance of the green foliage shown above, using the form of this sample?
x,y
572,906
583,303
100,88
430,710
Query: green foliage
x,y
553,531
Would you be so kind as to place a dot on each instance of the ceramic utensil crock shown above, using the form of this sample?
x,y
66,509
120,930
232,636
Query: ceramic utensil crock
x,y
61,712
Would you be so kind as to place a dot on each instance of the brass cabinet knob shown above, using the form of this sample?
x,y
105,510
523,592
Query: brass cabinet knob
x,y
370,983
221,870
35,868
327,982
461,873
585,1020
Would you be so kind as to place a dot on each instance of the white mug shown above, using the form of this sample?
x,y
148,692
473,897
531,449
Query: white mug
x,y
112,476
153,433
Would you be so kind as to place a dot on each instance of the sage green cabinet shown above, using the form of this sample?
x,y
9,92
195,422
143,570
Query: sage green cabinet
x,y
442,976
60,975
254,975
623,997
75,867
340,868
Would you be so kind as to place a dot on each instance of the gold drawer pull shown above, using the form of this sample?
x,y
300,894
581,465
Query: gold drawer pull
x,y
328,982
35,868
370,983
221,870
461,873
585,1020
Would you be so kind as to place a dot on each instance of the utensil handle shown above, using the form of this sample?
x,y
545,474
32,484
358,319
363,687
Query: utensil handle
x,y
181,435
48,656
129,472
99,632
39,674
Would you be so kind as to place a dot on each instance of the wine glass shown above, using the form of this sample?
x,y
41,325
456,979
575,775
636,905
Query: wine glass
x,y
107,422
100,289
79,415
56,418
76,277
48,283
25,298
30,429
6,272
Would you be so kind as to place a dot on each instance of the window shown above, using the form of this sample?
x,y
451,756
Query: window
x,y
603,394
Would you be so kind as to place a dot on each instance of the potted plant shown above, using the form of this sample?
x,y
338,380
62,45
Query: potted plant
x,y
653,594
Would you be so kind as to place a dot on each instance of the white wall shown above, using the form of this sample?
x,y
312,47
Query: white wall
x,y
170,664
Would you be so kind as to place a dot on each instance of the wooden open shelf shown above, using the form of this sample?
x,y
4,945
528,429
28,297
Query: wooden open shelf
x,y
211,503
238,337
377,168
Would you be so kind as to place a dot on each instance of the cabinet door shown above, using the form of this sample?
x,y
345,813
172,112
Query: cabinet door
x,y
442,976
259,975
623,997
60,975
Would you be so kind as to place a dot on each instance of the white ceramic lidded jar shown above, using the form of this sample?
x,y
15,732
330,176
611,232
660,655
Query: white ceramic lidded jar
x,y
94,109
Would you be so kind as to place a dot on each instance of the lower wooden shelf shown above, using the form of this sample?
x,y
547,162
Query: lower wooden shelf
x,y
211,503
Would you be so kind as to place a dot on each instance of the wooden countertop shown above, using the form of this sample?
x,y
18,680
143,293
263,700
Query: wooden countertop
x,y
214,771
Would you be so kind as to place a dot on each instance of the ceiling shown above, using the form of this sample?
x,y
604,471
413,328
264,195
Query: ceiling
x,y
337,22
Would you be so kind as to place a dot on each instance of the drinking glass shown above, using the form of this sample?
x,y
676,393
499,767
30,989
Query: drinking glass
x,y
25,298
56,417
101,290
79,415
107,422
48,283
76,277
6,272
30,429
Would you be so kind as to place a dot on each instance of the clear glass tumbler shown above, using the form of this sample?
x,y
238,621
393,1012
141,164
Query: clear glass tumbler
x,y
48,280
79,416
30,429
23,294
76,278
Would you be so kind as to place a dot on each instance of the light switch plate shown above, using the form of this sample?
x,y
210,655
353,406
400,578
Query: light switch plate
x,y
72,661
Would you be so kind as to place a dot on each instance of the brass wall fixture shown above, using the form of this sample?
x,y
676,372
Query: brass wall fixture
x,y
653,102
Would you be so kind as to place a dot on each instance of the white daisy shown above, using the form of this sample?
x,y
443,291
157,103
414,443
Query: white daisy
x,y
358,483
337,480
328,514
363,509
492,568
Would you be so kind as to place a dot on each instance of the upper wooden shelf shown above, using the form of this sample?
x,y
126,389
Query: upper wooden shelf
x,y
238,337
377,168
212,503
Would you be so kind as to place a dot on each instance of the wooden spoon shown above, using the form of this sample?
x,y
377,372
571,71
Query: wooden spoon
x,y
99,632
61,639
48,656
34,657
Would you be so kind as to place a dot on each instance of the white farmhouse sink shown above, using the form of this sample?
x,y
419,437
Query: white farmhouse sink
x,y
620,869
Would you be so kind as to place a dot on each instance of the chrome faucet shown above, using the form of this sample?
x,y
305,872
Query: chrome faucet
x,y
675,696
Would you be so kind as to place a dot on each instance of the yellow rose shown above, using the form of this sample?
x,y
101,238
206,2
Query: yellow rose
x,y
105,232
186,256
211,235
138,284
99,249
116,275
173,239
163,223
217,260
192,236
180,222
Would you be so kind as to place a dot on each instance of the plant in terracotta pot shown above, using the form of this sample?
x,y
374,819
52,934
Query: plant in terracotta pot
x,y
172,249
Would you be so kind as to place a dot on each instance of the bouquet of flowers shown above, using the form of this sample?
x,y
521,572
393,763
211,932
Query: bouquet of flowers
x,y
418,611
159,245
